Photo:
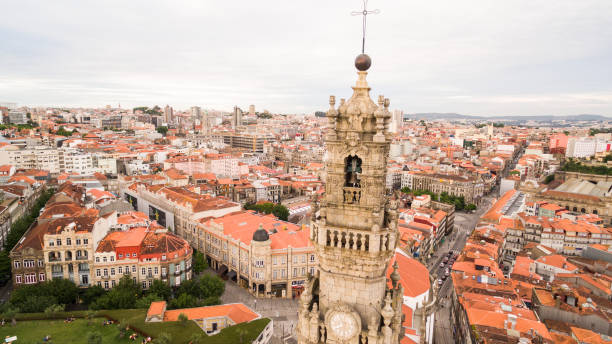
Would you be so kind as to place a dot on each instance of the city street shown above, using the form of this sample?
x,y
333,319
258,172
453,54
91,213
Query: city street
x,y
464,225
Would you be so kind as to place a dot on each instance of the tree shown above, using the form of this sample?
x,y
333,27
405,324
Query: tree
x,y
470,207
164,338
281,212
162,130
211,286
92,294
184,300
191,287
94,337
145,301
161,289
183,319
199,262
549,179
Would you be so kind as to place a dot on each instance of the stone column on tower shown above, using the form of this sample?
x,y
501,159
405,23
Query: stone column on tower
x,y
349,299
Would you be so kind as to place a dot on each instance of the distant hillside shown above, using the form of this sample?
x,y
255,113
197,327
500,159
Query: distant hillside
x,y
543,118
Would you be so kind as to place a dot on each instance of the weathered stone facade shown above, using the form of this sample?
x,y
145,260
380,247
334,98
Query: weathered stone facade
x,y
355,232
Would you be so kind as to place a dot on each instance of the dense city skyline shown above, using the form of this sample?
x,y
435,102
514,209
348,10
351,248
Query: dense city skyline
x,y
480,58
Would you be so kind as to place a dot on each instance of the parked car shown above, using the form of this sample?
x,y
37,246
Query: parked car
x,y
442,264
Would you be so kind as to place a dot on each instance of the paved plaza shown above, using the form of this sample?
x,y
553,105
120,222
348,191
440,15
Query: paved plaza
x,y
282,311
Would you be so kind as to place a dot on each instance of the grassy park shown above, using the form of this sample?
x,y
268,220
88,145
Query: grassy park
x,y
30,329
30,332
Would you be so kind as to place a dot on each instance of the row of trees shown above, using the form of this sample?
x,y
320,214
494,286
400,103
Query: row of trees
x,y
572,165
277,209
18,229
444,197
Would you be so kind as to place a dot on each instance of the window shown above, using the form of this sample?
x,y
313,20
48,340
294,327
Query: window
x,y
17,264
144,284
105,284
17,278
112,271
120,255
143,270
303,271
85,241
98,272
294,272
312,258
134,255
156,270
303,258
113,283
99,284
68,241
58,242
78,241
112,258
274,260
150,271
163,257
41,263
120,269
134,268
41,277
105,272
30,278
312,271
275,274
104,259
164,271
51,243
28,263
283,273
295,259
97,259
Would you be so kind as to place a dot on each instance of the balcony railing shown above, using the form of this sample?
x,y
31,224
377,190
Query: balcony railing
x,y
351,195
81,257
55,259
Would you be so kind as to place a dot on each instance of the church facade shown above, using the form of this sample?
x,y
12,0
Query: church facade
x,y
349,299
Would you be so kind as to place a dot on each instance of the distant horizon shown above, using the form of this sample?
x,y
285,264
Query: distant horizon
x,y
245,108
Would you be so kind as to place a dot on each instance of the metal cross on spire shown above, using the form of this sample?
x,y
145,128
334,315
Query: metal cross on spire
x,y
364,13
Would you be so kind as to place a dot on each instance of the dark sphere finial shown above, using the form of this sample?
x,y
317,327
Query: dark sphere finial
x,y
363,62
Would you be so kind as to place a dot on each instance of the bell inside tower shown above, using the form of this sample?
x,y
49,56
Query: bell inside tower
x,y
352,171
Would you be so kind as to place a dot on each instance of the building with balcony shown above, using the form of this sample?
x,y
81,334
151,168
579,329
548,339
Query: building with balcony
x,y
269,257
143,253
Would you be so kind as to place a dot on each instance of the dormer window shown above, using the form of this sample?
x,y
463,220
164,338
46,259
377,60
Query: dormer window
x,y
352,169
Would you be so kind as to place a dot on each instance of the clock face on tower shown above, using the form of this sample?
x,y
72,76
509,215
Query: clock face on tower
x,y
343,325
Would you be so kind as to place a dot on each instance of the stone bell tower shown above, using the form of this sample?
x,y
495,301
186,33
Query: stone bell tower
x,y
349,300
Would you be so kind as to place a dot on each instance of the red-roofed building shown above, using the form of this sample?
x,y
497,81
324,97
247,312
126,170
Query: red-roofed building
x,y
268,256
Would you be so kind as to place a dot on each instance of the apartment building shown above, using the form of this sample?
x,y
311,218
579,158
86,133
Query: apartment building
x,y
269,257
176,208
145,254
471,188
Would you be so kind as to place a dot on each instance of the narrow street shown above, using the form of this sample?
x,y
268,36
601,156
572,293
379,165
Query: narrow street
x,y
464,225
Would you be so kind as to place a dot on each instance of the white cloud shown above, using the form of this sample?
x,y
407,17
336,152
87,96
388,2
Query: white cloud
x,y
518,57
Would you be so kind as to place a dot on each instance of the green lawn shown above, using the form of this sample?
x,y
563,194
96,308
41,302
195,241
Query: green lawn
x,y
181,333
30,332
30,329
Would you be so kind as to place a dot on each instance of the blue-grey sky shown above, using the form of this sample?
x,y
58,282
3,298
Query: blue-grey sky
x,y
482,57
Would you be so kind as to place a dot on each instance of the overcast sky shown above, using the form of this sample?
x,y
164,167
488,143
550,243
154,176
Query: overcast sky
x,y
487,57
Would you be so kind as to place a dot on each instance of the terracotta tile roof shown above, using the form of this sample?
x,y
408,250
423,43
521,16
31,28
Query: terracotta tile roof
x,y
414,276
237,312
587,336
